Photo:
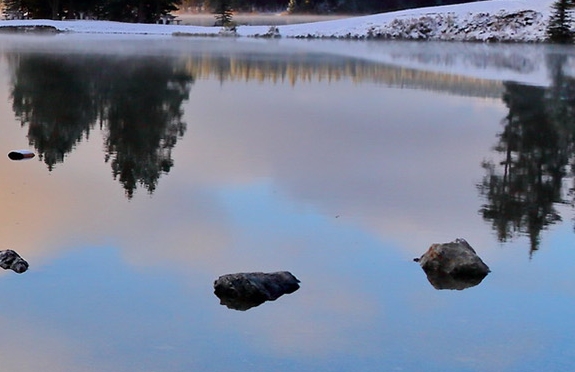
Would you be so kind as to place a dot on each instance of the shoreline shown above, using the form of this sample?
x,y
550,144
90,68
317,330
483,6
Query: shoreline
x,y
484,21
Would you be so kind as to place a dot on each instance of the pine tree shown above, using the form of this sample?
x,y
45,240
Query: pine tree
x,y
223,13
559,27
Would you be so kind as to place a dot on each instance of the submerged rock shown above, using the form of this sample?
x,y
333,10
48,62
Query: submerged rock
x,y
453,265
243,291
12,260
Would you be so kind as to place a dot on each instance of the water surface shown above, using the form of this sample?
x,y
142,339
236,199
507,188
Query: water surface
x,y
162,164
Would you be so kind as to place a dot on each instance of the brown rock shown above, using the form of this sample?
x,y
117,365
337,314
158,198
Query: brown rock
x,y
453,265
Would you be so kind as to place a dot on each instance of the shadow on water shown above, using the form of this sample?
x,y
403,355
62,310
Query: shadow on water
x,y
536,151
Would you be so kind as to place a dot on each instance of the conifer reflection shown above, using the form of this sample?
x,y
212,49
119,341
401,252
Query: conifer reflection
x,y
523,189
53,98
137,103
144,120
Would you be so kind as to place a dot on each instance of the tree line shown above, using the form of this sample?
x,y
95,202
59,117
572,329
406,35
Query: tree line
x,y
141,11
149,11
318,6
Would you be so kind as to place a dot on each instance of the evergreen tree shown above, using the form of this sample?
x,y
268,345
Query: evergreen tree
x,y
142,11
559,27
223,13
33,8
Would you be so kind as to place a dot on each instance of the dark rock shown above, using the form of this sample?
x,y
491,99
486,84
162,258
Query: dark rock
x,y
243,291
453,265
12,260
20,154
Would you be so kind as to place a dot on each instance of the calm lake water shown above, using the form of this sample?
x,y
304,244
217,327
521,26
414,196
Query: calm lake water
x,y
164,163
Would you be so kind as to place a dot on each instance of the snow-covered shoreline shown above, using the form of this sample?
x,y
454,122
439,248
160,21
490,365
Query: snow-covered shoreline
x,y
493,20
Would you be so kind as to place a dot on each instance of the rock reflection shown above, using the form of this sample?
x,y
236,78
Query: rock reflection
x,y
440,280
137,102
242,291
536,146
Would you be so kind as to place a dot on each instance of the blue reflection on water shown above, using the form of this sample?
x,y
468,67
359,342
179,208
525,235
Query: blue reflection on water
x,y
107,307
327,242
365,305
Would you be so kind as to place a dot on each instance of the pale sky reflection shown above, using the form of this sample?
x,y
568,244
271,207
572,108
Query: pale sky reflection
x,y
359,167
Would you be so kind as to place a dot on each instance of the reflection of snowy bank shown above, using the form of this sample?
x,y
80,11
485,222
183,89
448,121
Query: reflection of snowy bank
x,y
469,69
521,62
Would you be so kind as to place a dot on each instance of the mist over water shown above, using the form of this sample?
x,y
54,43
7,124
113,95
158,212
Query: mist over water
x,y
261,19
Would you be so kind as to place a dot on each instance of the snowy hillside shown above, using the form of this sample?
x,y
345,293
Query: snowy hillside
x,y
494,20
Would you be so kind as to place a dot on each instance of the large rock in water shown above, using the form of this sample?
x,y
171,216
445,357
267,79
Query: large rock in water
x,y
12,260
453,265
243,291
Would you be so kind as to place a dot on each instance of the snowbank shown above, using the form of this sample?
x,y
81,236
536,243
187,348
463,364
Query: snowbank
x,y
494,20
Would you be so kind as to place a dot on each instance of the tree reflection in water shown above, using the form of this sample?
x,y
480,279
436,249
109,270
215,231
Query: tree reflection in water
x,y
137,103
137,100
536,147
53,97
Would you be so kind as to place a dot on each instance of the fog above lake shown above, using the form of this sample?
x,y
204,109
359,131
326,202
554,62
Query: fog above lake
x,y
525,63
